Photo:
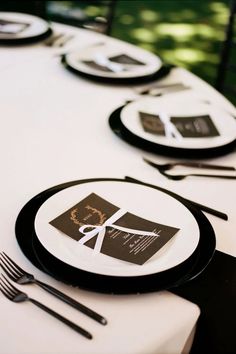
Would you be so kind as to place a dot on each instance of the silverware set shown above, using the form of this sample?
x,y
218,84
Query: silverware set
x,y
58,40
158,89
199,165
15,295
92,45
19,276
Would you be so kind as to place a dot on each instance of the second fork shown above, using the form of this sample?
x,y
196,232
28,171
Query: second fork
x,y
168,166
15,295
20,276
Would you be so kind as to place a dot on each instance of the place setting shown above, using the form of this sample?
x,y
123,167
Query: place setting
x,y
192,169
19,28
95,234
174,120
115,62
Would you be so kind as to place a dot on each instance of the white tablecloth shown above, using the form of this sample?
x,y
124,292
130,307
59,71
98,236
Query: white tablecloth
x,y
54,129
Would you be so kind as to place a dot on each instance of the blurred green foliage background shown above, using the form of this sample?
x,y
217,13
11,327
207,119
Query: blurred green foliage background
x,y
188,33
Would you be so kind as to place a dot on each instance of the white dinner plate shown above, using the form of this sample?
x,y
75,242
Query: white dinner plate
x,y
179,105
21,26
100,54
143,201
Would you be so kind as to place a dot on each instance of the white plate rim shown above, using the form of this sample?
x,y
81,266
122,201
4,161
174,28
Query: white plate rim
x,y
154,63
121,268
130,120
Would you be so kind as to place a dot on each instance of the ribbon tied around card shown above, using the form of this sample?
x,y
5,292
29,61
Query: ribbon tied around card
x,y
100,230
170,129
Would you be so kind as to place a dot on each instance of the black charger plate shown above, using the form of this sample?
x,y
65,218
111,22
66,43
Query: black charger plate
x,y
26,38
122,132
162,72
41,258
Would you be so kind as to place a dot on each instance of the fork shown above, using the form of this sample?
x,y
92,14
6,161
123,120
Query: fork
x,y
18,275
58,40
168,166
15,295
62,41
158,89
52,39
180,177
95,44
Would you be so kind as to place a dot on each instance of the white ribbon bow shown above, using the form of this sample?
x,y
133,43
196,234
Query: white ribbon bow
x,y
170,129
100,230
100,59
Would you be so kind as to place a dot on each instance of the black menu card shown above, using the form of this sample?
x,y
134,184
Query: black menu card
x,y
189,127
128,237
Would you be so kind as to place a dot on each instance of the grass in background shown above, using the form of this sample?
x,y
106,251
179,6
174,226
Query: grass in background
x,y
186,33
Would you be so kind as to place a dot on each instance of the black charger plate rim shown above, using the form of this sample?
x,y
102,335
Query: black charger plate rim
x,y
42,259
31,38
160,73
123,133
27,40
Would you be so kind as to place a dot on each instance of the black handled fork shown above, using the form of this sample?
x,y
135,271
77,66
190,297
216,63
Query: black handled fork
x,y
15,295
18,275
